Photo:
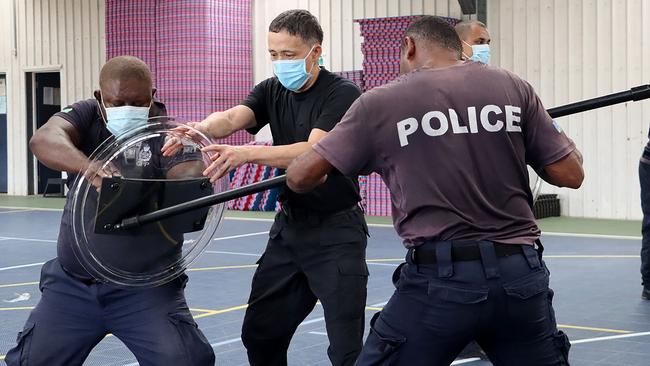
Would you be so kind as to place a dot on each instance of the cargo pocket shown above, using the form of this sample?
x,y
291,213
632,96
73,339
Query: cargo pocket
x,y
528,300
382,346
397,274
19,355
275,230
561,341
351,289
195,347
343,235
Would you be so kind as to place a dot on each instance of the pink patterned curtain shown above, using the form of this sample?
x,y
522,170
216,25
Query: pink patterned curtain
x,y
380,47
200,51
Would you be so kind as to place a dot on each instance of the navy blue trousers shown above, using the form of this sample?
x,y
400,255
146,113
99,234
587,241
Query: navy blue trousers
x,y
73,316
503,303
644,180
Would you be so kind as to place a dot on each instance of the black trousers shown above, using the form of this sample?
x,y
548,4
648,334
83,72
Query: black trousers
x,y
309,258
644,179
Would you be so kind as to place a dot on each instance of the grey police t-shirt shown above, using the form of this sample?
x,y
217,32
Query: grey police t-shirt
x,y
452,146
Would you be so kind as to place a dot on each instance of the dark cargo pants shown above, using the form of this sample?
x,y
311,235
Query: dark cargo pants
x,y
73,316
504,303
309,258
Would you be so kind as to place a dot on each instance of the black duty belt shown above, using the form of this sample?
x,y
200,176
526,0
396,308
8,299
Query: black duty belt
x,y
464,253
302,214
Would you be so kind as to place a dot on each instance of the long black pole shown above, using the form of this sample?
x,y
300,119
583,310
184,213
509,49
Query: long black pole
x,y
634,94
201,202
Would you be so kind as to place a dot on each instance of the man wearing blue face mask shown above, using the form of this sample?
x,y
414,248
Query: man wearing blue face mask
x,y
76,311
316,249
475,40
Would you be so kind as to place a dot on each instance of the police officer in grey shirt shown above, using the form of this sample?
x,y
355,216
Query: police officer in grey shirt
x,y
452,139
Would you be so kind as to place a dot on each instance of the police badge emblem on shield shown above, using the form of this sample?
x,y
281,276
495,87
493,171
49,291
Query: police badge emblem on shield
x,y
144,156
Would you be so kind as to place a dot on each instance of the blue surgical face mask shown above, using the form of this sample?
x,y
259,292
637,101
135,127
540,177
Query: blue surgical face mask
x,y
293,74
120,120
480,53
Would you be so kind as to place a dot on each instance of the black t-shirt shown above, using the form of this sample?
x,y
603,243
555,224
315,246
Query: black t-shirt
x,y
292,116
141,160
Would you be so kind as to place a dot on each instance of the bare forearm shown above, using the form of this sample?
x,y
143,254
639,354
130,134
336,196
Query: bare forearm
x,y
56,151
307,171
218,125
567,172
276,156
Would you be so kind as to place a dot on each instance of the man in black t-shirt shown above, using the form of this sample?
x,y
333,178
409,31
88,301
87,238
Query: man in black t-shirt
x,y
316,249
76,311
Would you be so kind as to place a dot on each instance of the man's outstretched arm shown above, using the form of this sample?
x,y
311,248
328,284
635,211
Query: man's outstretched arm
x,y
307,171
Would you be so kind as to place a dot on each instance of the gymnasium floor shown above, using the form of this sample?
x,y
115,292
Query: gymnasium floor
x,y
595,277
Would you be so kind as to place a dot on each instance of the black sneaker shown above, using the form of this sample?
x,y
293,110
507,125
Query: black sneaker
x,y
645,294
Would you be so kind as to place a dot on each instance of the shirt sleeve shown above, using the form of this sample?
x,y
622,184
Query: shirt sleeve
x,y
546,142
336,104
256,101
349,147
81,115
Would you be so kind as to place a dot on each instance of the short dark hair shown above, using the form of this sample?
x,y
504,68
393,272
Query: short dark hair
x,y
299,23
463,27
436,30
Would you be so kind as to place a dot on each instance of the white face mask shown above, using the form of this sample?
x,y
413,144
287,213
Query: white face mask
x,y
120,120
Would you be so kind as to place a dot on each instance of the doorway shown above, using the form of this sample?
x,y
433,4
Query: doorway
x,y
43,101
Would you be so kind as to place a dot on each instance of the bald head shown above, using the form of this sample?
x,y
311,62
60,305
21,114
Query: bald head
x,y
124,68
125,80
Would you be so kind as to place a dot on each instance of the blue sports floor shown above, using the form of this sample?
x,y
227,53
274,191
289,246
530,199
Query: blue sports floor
x,y
596,280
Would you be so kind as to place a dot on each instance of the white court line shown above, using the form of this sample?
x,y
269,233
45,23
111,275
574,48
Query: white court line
x,y
240,236
547,233
28,239
318,333
258,255
31,208
312,321
599,339
382,264
13,211
22,266
592,236
466,360
247,219
215,239
232,253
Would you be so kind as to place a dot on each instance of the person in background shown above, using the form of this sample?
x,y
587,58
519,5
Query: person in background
x,y
475,39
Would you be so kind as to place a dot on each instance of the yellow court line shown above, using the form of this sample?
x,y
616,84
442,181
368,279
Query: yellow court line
x,y
373,308
220,267
593,329
19,284
209,312
18,308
